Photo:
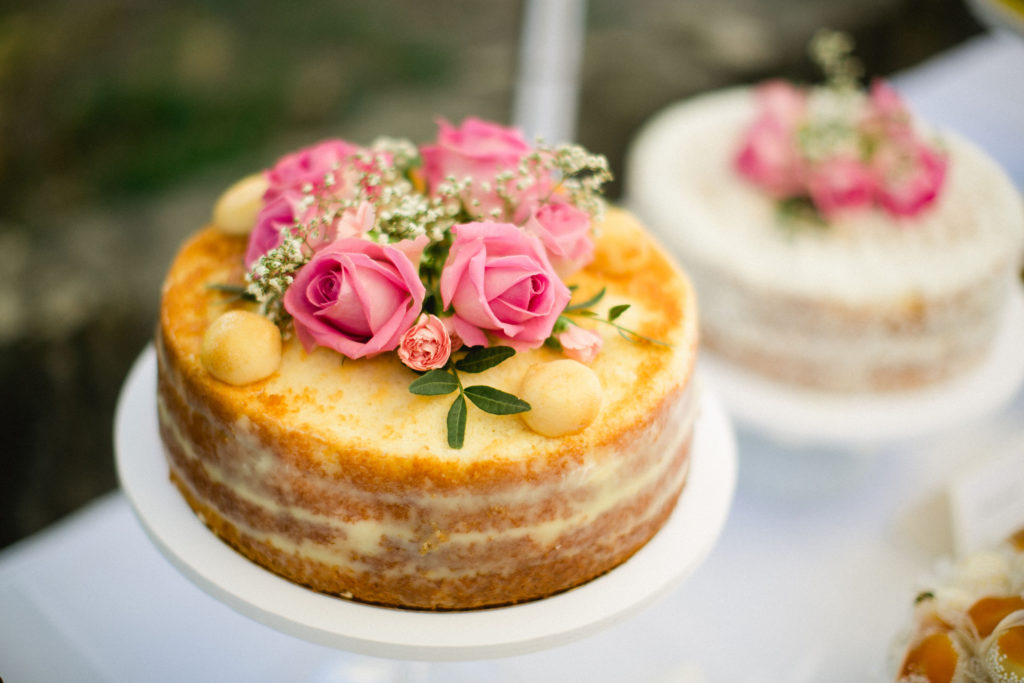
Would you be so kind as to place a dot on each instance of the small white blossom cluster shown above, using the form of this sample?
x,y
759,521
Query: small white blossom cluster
x,y
583,174
385,178
832,51
831,126
273,273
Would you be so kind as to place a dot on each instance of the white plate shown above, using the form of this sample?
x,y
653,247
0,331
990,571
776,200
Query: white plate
x,y
671,556
804,416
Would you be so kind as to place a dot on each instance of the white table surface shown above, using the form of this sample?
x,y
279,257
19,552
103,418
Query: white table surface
x,y
810,580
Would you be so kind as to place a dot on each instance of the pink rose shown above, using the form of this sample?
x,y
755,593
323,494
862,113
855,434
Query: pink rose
x,y
480,150
885,114
286,209
356,297
275,216
783,103
770,158
499,281
565,232
909,176
770,154
309,165
840,183
426,345
580,344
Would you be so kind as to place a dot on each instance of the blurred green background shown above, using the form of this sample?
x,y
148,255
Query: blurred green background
x,y
121,122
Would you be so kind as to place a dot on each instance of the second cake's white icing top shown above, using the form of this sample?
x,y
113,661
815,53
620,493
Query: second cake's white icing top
x,y
681,179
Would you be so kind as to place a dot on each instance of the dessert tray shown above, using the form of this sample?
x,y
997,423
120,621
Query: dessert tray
x,y
669,558
807,417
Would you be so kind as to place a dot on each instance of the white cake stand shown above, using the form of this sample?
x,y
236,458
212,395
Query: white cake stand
x,y
671,556
804,417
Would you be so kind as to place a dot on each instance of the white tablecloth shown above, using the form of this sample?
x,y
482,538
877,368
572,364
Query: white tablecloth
x,y
810,581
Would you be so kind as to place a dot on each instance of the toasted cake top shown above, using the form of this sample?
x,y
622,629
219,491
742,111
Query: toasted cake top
x,y
365,405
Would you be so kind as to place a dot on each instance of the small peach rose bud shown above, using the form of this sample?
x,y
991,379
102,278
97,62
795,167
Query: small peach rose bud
x,y
621,248
236,210
426,345
241,347
564,395
580,344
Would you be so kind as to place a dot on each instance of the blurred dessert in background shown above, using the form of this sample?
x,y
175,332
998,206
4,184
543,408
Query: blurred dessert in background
x,y
968,622
836,241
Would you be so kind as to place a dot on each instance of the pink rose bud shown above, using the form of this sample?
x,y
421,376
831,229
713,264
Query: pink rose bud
x,y
413,249
840,183
426,345
356,297
481,150
565,232
580,344
909,177
499,282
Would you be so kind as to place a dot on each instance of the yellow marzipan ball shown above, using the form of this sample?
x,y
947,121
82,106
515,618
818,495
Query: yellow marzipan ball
x,y
564,397
241,347
620,248
237,208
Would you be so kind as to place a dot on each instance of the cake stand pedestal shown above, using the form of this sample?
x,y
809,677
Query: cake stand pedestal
x,y
797,417
661,565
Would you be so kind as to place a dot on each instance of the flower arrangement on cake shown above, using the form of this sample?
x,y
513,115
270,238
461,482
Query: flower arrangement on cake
x,y
822,150
324,340
453,254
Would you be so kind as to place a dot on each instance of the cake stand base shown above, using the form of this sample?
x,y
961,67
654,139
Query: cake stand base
x,y
799,417
671,556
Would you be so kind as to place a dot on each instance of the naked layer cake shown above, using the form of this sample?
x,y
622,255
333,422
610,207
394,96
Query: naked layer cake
x,y
435,377
835,241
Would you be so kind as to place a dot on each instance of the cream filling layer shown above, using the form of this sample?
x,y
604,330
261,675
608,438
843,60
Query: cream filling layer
x,y
606,485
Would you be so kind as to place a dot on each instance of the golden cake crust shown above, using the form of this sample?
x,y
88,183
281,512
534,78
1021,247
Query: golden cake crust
x,y
334,475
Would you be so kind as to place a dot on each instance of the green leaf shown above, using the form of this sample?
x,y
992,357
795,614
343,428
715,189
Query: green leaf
x,y
434,383
235,290
588,303
481,358
457,422
495,401
616,311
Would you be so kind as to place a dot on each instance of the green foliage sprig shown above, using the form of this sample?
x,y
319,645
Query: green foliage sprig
x,y
446,380
583,310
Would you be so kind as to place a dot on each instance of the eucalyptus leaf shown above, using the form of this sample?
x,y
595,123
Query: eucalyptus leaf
x,y
616,311
481,358
457,422
588,303
495,401
434,383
